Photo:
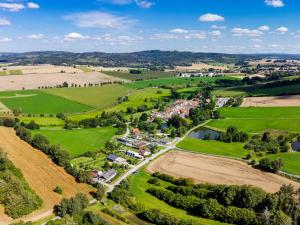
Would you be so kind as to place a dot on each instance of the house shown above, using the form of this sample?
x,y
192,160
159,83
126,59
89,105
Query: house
x,y
109,175
97,174
116,159
296,146
145,152
139,144
134,154
136,132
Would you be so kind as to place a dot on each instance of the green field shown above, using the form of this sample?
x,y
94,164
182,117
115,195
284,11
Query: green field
x,y
290,161
15,72
138,187
100,97
38,102
77,142
146,75
234,150
257,91
259,119
3,73
43,121
174,81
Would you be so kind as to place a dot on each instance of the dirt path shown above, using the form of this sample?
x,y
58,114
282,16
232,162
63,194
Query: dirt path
x,y
274,101
216,170
40,172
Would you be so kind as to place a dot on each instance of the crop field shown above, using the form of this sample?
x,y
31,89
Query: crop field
x,y
38,102
272,101
258,120
85,69
77,142
43,121
39,171
100,97
138,187
174,81
234,150
146,75
3,73
257,91
216,170
15,72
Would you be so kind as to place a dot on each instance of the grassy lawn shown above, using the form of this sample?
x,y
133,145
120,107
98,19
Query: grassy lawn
x,y
259,119
138,187
77,142
173,81
38,102
100,97
43,121
146,75
15,72
234,150
3,73
290,161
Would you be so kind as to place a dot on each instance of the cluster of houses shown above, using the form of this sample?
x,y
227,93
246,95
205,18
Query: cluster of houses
x,y
99,176
179,107
200,74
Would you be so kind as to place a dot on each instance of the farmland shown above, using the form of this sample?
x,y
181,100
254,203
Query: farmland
x,y
257,120
100,97
145,75
216,170
138,187
234,150
27,102
290,162
39,171
79,141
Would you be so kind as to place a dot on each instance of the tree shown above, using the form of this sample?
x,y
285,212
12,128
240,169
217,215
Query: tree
x,y
58,190
100,192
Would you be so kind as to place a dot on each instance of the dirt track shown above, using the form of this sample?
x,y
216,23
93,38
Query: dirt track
x,y
216,170
276,101
39,171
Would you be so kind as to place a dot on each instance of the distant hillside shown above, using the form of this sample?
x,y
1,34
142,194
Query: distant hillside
x,y
147,59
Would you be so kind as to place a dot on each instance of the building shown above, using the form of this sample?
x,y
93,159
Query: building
x,y
139,144
97,174
116,159
144,152
136,132
134,154
109,175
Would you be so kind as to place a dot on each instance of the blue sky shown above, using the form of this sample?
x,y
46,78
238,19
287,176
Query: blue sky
x,y
230,26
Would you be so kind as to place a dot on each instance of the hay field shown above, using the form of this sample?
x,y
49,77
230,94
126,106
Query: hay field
x,y
40,172
201,66
215,170
34,81
272,101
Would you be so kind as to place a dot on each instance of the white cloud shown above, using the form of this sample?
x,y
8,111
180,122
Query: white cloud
x,y
99,20
264,28
179,31
74,37
35,36
218,27
216,33
246,32
211,18
12,7
179,36
275,3
282,30
256,46
32,5
5,39
144,4
117,40
4,22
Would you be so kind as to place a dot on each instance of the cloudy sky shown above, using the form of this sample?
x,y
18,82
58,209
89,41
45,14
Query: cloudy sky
x,y
230,26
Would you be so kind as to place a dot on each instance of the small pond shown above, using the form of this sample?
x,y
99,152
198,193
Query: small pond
x,y
296,146
204,134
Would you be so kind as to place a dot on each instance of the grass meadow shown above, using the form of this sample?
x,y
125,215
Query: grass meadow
x,y
234,150
290,162
79,141
43,121
259,119
146,75
99,97
38,102
138,187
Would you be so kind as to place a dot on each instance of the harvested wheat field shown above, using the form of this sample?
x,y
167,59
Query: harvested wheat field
x,y
33,81
215,170
40,172
200,66
273,101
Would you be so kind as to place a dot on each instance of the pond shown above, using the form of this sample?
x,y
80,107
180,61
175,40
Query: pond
x,y
204,134
296,146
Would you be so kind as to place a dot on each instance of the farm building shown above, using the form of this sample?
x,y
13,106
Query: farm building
x,y
109,175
